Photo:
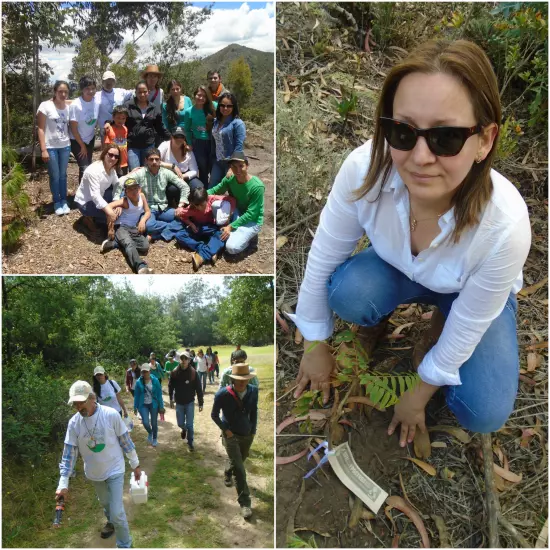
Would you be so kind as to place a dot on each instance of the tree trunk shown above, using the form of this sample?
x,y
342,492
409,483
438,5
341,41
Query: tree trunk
x,y
7,339
34,101
7,107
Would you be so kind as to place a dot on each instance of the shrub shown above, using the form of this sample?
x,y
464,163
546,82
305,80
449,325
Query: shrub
x,y
253,114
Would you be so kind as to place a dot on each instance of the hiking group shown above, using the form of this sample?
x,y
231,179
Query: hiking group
x,y
100,429
173,169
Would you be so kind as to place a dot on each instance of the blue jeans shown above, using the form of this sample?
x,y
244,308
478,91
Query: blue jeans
x,y
219,169
202,378
136,157
241,237
201,150
206,241
90,209
57,170
365,288
109,493
159,220
185,415
150,425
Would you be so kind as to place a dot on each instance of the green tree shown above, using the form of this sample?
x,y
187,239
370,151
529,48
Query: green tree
x,y
239,81
127,69
89,62
246,314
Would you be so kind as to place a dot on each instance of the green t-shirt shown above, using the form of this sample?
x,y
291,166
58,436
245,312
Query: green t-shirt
x,y
249,196
169,366
194,122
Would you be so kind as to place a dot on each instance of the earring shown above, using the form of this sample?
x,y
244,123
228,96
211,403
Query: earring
x,y
479,158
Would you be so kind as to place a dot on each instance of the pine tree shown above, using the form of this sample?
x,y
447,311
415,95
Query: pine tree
x,y
240,81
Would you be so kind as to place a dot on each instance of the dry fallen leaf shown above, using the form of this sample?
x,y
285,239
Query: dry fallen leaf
x,y
459,433
508,475
402,506
281,460
533,288
422,448
428,468
439,444
399,329
534,361
447,474
281,241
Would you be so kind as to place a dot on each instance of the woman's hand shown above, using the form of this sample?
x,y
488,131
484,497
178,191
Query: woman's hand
x,y
45,156
316,368
178,173
410,412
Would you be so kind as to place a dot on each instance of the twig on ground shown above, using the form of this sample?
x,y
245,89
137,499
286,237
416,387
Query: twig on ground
x,y
289,391
296,224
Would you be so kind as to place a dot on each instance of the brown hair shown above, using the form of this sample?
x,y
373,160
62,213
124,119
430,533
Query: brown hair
x,y
208,106
468,63
106,148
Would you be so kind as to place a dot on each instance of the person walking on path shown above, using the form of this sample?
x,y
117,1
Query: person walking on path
x,y
132,375
172,361
108,391
101,437
202,368
238,356
156,369
148,401
182,387
55,144
233,354
217,364
238,404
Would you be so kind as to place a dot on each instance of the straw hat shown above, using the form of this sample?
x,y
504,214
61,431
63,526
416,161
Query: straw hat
x,y
151,69
241,371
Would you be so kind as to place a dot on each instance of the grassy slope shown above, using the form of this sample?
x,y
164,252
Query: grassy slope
x,y
28,493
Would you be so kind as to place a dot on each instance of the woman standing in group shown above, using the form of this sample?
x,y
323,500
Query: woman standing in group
x,y
83,114
198,121
145,127
202,368
228,133
55,144
132,375
148,401
445,229
210,364
151,75
173,110
108,391
176,155
95,191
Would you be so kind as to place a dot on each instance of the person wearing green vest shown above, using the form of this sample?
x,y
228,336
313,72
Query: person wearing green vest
x,y
249,192
171,362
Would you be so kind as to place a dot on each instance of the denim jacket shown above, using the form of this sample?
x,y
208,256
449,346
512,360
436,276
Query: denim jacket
x,y
233,136
139,394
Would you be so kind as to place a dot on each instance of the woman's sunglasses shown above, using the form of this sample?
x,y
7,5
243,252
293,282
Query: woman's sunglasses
x,y
443,141
113,156
225,106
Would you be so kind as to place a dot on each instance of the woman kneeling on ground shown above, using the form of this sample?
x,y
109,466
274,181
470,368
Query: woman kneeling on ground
x,y
108,391
95,191
148,401
445,230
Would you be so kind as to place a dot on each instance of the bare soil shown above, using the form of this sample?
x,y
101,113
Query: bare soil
x,y
58,245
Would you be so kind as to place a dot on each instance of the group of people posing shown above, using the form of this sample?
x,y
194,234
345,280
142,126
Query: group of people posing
x,y
167,169
99,431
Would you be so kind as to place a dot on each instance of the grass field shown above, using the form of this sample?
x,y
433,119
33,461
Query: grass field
x,y
181,488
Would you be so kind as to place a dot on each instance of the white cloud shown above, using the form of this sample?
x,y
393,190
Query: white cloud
x,y
248,26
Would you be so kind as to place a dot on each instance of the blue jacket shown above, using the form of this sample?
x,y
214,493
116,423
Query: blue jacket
x,y
139,394
240,422
233,136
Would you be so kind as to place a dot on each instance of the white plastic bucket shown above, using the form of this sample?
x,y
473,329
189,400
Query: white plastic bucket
x,y
139,489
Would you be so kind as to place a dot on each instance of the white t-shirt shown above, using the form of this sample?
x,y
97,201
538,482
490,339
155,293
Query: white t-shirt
x,y
107,101
57,125
188,165
97,441
95,182
201,364
108,395
85,113
484,267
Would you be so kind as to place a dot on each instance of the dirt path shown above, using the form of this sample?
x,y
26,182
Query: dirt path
x,y
254,533
57,245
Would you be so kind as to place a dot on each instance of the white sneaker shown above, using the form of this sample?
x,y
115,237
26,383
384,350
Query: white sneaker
x,y
58,209
246,512
146,271
66,209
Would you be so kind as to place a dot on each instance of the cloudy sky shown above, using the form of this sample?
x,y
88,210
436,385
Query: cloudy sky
x,y
250,24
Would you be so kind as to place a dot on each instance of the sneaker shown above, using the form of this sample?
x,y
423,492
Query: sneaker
x,y
107,245
214,259
145,271
150,438
107,531
155,442
66,209
58,209
183,433
191,446
246,512
228,481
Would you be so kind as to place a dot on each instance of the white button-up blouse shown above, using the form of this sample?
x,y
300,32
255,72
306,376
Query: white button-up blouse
x,y
484,267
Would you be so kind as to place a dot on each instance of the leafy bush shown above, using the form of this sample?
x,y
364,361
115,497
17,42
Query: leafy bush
x,y
34,409
253,114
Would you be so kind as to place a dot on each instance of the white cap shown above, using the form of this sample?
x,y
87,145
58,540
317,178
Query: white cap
x,y
99,370
80,391
145,366
108,74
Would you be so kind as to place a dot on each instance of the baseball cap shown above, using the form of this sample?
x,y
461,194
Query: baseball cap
x,y
79,392
99,370
178,132
108,74
130,182
145,366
